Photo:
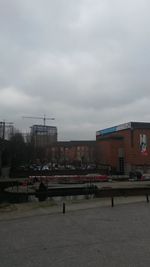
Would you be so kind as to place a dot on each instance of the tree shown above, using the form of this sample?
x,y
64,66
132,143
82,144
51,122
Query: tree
x,y
18,150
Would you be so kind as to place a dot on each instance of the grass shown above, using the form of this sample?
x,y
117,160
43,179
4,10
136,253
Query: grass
x,y
23,207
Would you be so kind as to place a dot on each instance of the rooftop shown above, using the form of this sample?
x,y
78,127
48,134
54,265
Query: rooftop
x,y
124,126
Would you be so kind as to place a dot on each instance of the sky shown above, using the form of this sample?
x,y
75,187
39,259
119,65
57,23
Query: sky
x,y
84,62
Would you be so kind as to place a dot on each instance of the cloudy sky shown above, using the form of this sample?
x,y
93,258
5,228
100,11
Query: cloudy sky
x,y
84,62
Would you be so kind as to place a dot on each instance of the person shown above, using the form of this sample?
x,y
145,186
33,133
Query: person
x,y
42,187
42,192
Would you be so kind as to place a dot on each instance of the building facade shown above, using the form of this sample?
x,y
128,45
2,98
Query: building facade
x,y
73,152
125,147
43,136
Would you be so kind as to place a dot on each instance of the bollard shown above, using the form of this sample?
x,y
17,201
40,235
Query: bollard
x,y
64,208
112,202
147,199
27,187
17,186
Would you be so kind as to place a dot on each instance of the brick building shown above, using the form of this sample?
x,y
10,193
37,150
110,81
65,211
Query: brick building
x,y
125,147
82,152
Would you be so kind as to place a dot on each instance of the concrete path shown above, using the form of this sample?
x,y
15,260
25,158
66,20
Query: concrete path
x,y
13,211
96,236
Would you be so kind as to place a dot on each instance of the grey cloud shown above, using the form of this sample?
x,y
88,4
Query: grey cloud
x,y
84,62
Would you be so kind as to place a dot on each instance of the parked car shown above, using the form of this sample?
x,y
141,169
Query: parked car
x,y
45,168
145,177
135,176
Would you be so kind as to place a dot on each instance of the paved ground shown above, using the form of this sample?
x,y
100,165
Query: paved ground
x,y
99,236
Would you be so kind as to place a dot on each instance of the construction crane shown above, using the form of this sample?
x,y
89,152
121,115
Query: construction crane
x,y
44,118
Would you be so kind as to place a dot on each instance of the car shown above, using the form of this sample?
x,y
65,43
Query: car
x,y
45,168
145,177
135,176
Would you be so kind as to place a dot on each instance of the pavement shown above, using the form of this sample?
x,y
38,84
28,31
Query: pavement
x,y
90,233
55,205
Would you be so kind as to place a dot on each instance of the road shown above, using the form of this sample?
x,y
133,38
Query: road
x,y
100,236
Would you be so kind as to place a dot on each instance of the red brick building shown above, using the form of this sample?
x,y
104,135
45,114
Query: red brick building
x,y
72,152
125,147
